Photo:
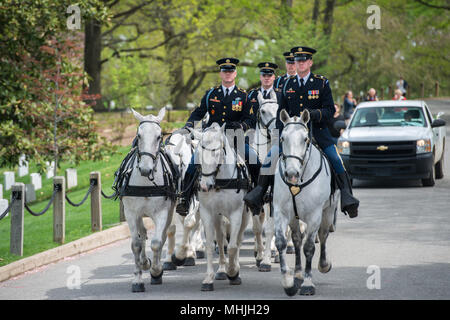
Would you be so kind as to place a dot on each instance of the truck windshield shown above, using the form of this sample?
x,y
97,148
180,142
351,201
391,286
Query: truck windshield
x,y
388,117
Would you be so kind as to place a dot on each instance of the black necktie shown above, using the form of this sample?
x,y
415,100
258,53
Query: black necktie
x,y
265,94
302,82
226,93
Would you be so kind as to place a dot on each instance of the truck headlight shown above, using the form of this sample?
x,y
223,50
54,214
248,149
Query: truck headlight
x,y
423,145
344,147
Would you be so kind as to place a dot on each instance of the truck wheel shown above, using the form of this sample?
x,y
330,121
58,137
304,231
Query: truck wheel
x,y
439,167
429,182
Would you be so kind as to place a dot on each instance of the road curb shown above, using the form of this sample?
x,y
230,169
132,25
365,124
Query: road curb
x,y
79,246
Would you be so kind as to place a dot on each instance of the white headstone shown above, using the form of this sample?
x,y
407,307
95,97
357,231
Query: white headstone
x,y
50,169
23,166
1,191
9,179
71,178
36,180
30,194
3,206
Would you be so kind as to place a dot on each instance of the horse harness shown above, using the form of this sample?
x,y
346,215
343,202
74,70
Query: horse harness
x,y
123,174
295,189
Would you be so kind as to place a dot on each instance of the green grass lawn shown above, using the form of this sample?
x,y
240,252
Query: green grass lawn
x,y
38,231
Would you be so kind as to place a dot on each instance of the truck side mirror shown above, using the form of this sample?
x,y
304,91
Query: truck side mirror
x,y
340,124
438,123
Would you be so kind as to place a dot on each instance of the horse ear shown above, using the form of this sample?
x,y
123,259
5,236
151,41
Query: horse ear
x,y
305,116
284,116
197,135
179,145
137,115
223,127
273,95
260,98
161,114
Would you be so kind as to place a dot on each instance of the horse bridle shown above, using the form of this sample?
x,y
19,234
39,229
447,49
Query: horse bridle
x,y
215,172
140,154
284,157
261,122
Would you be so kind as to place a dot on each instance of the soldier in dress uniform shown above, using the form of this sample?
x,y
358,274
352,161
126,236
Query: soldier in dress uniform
x,y
267,77
291,71
312,92
227,104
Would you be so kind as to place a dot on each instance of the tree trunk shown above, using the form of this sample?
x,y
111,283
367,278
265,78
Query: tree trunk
x,y
328,17
92,62
315,15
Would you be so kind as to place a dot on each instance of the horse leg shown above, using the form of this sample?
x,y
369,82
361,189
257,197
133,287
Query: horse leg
x,y
290,245
297,241
324,230
269,232
257,231
220,238
308,288
168,264
179,256
162,222
281,223
137,246
208,282
198,237
238,222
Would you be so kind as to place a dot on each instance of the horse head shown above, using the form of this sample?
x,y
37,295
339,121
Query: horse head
x,y
149,136
295,143
179,151
267,112
212,153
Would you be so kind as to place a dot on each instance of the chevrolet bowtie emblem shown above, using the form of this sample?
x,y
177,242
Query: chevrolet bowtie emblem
x,y
382,148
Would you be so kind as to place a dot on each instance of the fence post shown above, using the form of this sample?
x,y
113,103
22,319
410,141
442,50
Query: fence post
x,y
390,94
96,202
59,209
17,213
382,93
422,90
436,89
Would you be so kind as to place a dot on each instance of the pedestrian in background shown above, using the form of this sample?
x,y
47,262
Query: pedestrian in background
x,y
371,95
335,132
398,95
349,105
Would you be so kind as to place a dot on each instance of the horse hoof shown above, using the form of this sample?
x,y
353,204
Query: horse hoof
x,y
290,250
265,268
177,261
273,253
189,262
233,277
258,262
200,254
207,287
325,269
168,266
307,291
221,276
236,282
298,282
277,259
157,279
255,253
137,287
291,291
225,250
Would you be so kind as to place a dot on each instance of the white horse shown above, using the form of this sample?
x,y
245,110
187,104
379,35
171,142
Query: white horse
x,y
302,186
178,148
219,161
148,172
262,142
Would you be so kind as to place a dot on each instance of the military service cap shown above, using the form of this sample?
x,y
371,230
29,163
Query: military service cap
x,y
302,53
267,67
227,64
289,57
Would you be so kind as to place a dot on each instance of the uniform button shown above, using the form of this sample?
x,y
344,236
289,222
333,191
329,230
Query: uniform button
x,y
301,104
223,113
224,107
223,119
301,97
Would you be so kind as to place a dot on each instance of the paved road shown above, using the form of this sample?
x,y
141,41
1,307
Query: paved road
x,y
402,235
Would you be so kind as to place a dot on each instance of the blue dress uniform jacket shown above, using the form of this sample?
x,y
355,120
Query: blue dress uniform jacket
x,y
315,96
254,104
280,81
233,108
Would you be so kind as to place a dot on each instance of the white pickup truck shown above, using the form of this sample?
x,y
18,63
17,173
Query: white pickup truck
x,y
394,139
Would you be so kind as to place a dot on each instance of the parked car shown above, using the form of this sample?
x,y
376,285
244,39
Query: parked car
x,y
394,139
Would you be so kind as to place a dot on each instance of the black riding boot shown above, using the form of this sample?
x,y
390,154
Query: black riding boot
x,y
349,204
254,199
254,172
185,200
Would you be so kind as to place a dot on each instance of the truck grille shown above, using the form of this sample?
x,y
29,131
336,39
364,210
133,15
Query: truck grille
x,y
383,149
